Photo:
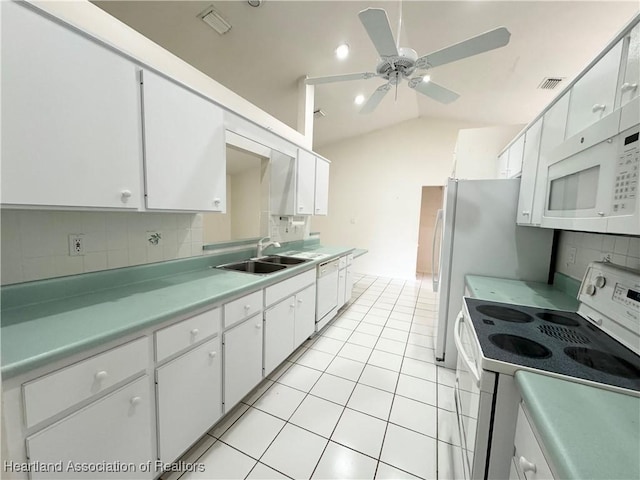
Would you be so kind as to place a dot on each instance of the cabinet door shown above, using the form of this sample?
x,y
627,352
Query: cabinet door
x,y
553,133
529,171
70,117
503,164
593,96
342,281
115,429
305,183
516,153
242,360
185,164
305,314
348,288
632,68
279,323
282,180
322,187
189,398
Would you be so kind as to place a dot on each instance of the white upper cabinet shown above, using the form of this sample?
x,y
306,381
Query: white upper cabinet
x,y
529,172
322,187
503,164
593,96
185,161
70,117
305,181
630,84
516,152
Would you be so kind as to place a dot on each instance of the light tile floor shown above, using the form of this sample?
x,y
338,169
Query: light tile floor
x,y
361,400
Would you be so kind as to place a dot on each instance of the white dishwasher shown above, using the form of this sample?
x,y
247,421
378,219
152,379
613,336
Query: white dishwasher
x,y
327,294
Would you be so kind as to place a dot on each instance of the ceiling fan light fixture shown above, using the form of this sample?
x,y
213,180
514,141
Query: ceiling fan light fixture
x,y
342,51
359,100
213,18
426,78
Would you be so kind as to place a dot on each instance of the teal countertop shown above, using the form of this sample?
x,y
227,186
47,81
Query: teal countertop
x,y
68,317
358,252
587,432
533,294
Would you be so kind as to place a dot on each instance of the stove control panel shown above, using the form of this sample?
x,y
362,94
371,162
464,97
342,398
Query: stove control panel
x,y
610,297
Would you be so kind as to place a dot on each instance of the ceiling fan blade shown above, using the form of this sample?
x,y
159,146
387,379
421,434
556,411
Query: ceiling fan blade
x,y
339,78
376,24
375,98
433,90
490,40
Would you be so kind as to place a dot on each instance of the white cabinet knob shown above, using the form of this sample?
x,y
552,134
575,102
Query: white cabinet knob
x,y
300,300
293,305
598,107
216,202
135,400
101,375
258,325
247,308
526,465
125,195
195,332
526,213
300,207
628,86
212,354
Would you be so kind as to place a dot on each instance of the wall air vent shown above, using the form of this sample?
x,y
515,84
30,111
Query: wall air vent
x,y
549,83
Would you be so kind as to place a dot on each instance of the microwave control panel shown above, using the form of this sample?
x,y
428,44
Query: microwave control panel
x,y
625,191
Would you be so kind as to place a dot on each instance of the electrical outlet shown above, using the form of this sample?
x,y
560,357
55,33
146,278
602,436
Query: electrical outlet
x,y
572,255
76,244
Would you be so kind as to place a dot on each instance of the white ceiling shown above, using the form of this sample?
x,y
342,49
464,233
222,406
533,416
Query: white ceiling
x,y
269,48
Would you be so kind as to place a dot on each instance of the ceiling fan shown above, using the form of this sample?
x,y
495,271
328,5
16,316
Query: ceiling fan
x,y
398,63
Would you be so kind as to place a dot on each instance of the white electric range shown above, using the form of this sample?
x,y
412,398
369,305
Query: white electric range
x,y
598,345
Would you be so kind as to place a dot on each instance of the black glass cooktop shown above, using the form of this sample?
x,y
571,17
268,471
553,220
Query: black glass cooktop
x,y
554,341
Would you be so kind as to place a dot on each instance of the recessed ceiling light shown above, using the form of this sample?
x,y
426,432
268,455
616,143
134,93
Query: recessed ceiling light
x,y
342,51
359,100
426,78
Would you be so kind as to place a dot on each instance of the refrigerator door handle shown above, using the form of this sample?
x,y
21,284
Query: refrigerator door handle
x,y
436,275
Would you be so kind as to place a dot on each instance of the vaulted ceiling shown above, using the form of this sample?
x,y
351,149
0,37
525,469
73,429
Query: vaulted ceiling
x,y
270,47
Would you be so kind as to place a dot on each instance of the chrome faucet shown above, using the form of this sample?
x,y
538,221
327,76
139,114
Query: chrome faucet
x,y
263,246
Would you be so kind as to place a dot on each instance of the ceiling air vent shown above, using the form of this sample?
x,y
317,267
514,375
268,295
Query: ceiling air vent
x,y
549,83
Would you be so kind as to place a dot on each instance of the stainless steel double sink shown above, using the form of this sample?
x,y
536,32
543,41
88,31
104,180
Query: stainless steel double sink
x,y
264,265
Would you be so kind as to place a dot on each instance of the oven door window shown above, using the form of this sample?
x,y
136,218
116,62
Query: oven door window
x,y
577,191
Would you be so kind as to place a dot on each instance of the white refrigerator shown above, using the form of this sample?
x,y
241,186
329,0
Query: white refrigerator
x,y
479,236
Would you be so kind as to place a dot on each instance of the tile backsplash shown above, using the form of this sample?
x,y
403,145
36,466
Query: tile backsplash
x,y
589,247
35,243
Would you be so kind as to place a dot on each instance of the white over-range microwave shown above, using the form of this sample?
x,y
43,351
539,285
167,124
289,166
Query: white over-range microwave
x,y
592,178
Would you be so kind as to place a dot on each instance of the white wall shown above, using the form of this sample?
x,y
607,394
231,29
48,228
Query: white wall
x,y
35,243
375,188
592,247
477,150
245,198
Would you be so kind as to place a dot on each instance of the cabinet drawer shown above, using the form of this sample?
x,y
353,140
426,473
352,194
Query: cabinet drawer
x,y
60,390
528,452
177,337
288,287
242,308
342,263
350,259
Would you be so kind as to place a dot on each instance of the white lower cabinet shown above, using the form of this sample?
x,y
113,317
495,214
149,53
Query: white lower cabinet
x,y
242,347
288,324
189,392
348,287
115,430
342,282
279,326
305,315
530,463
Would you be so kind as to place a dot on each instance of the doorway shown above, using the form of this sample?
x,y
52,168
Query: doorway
x,y
430,204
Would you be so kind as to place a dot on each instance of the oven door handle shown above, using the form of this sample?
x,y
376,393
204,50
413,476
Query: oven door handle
x,y
461,351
